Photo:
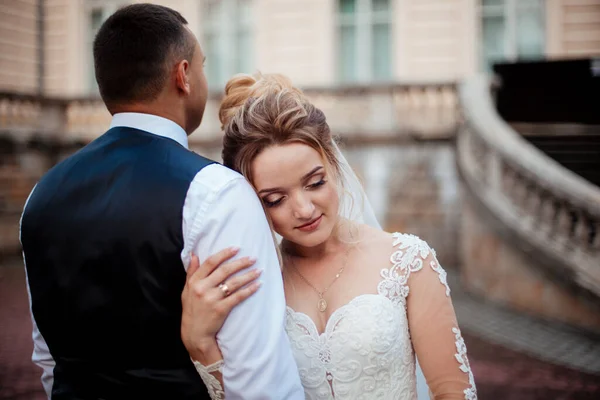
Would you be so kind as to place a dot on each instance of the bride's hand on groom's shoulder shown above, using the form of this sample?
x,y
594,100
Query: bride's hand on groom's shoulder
x,y
211,291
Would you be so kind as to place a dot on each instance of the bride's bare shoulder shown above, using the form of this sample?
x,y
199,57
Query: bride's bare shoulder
x,y
376,240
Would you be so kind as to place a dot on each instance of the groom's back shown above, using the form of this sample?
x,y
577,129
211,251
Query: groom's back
x,y
102,239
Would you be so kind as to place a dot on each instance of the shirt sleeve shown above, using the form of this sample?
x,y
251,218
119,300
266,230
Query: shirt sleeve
x,y
434,330
41,353
222,210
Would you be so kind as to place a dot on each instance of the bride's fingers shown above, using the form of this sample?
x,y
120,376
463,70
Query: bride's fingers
x,y
212,262
193,267
239,281
239,287
226,270
242,294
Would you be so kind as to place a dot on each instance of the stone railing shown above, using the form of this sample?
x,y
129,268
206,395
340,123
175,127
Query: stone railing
x,y
418,111
399,111
23,116
371,113
548,210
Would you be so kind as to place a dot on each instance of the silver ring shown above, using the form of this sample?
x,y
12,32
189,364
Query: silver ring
x,y
225,289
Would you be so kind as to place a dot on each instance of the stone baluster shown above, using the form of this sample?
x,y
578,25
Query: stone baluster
x,y
564,223
403,109
11,113
532,206
82,122
508,179
466,137
4,103
581,232
415,98
595,237
20,113
494,171
18,120
92,124
72,114
482,155
547,215
449,104
6,110
431,107
520,195
85,127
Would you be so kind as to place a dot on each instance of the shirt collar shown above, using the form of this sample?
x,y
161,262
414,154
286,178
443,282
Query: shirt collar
x,y
151,123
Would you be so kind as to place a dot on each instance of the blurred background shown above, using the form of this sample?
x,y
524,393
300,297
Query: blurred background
x,y
474,124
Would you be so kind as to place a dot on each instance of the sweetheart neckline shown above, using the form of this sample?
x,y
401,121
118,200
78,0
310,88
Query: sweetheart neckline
x,y
333,314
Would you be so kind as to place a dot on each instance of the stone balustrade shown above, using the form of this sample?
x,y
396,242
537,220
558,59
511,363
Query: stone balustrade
x,y
416,110
552,214
421,111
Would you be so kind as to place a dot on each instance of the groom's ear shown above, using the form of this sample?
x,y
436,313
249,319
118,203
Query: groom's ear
x,y
182,78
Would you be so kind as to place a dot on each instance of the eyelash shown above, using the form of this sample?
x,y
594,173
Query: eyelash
x,y
275,203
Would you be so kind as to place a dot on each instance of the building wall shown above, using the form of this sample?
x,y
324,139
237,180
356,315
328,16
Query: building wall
x,y
573,28
432,40
61,33
291,37
297,38
18,46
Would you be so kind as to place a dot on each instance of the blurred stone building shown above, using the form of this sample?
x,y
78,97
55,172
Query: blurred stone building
x,y
45,44
396,79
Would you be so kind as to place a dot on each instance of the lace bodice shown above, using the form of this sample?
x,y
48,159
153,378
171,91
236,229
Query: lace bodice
x,y
366,351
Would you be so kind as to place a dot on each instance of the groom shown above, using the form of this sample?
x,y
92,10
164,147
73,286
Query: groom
x,y
108,234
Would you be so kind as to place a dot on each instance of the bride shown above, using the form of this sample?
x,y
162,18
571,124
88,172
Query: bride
x,y
361,302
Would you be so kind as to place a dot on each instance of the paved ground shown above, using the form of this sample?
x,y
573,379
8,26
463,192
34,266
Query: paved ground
x,y
19,377
557,344
512,357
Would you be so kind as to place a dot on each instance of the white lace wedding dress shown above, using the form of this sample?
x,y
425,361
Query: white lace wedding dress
x,y
366,351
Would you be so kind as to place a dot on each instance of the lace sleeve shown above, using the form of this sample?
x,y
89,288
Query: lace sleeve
x,y
213,384
432,322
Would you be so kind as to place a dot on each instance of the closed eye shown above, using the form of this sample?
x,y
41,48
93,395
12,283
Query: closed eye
x,y
274,203
317,184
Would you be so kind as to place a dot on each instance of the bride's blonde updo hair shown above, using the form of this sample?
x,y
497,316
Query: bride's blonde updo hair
x,y
259,111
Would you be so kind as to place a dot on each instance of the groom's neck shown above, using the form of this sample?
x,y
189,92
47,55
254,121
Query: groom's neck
x,y
154,108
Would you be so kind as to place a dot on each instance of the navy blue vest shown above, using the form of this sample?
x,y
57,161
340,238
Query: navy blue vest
x,y
102,238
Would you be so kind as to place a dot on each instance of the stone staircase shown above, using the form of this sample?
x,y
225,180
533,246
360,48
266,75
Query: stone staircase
x,y
531,220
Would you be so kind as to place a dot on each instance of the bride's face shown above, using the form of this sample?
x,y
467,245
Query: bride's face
x,y
300,197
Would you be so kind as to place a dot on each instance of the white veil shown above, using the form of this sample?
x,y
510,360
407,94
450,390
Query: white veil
x,y
355,206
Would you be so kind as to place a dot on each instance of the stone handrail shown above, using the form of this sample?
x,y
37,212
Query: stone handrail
x,y
397,111
546,207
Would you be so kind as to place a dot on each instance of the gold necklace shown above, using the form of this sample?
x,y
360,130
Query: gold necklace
x,y
322,303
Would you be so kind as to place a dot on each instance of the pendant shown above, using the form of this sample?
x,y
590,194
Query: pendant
x,y
322,305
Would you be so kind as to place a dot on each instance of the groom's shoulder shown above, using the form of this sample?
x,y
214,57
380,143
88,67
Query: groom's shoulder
x,y
185,157
219,177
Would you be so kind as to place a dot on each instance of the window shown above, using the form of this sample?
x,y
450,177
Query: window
x,y
228,40
97,12
512,30
364,40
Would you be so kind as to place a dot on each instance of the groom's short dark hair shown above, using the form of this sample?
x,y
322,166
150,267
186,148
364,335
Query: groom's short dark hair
x,y
134,49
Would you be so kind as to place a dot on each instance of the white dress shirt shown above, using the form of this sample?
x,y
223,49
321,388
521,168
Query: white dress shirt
x,y
221,209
